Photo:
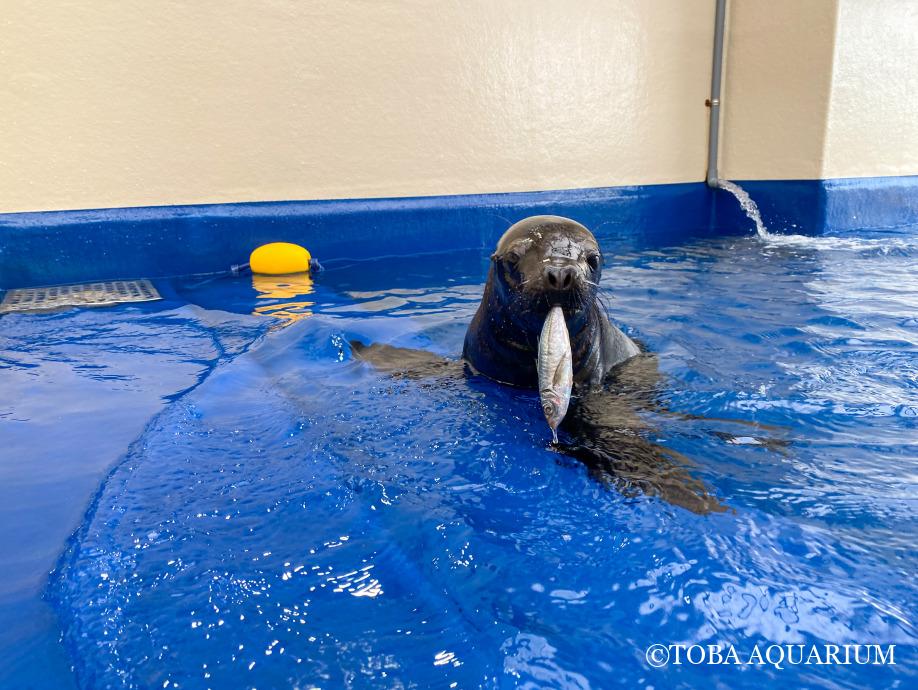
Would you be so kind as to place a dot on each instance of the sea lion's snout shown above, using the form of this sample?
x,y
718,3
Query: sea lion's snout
x,y
560,277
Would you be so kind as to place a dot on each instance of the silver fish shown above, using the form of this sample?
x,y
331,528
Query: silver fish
x,y
554,365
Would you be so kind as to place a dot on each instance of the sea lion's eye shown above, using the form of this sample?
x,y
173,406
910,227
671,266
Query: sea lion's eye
x,y
513,257
594,260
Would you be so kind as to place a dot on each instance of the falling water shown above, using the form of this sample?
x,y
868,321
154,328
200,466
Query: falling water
x,y
881,246
748,205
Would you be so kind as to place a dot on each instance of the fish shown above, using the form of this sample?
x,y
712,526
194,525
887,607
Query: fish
x,y
555,369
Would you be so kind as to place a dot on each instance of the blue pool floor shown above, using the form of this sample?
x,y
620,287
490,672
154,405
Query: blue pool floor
x,y
265,511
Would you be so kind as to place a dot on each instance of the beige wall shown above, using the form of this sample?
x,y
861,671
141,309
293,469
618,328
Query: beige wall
x,y
873,114
127,102
777,81
130,102
820,89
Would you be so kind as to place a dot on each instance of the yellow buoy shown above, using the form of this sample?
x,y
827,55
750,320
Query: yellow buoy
x,y
279,258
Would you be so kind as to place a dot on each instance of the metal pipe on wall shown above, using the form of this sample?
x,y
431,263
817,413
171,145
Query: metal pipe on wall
x,y
714,102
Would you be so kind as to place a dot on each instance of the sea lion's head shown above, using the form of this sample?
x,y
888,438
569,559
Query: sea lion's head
x,y
546,261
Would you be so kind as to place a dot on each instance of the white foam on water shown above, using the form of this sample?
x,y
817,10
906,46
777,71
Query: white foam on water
x,y
882,245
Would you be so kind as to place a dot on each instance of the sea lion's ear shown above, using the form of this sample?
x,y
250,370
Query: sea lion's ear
x,y
494,256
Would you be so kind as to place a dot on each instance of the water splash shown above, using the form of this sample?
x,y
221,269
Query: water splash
x,y
747,204
881,246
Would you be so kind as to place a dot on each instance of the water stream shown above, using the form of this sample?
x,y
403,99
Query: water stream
x,y
747,204
881,245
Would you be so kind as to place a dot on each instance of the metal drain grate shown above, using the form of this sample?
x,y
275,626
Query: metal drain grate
x,y
84,295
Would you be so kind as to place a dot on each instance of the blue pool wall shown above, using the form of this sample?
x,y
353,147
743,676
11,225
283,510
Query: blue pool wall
x,y
858,205
58,247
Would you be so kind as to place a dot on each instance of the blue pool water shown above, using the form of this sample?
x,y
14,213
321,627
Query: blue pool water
x,y
273,513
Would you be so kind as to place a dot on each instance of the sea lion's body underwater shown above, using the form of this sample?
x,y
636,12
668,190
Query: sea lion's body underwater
x,y
540,263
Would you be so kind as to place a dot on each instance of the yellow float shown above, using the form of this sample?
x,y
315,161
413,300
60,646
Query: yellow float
x,y
279,258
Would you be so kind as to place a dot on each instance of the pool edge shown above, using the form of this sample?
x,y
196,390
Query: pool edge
x,y
58,247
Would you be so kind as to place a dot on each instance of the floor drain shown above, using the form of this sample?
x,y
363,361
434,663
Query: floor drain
x,y
83,295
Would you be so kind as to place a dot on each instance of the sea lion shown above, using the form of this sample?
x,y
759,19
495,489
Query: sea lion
x,y
541,262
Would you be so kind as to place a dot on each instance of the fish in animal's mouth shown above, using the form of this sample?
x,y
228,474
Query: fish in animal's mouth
x,y
555,369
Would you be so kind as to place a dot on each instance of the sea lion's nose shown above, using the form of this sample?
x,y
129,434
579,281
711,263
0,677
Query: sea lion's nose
x,y
559,277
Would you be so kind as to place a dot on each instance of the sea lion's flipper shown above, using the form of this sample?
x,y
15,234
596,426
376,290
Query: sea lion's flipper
x,y
640,378
642,382
611,440
635,465
402,362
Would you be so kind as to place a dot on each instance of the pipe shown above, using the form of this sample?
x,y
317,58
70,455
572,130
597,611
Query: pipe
x,y
714,102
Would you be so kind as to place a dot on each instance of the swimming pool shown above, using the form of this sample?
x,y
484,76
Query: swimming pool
x,y
284,515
